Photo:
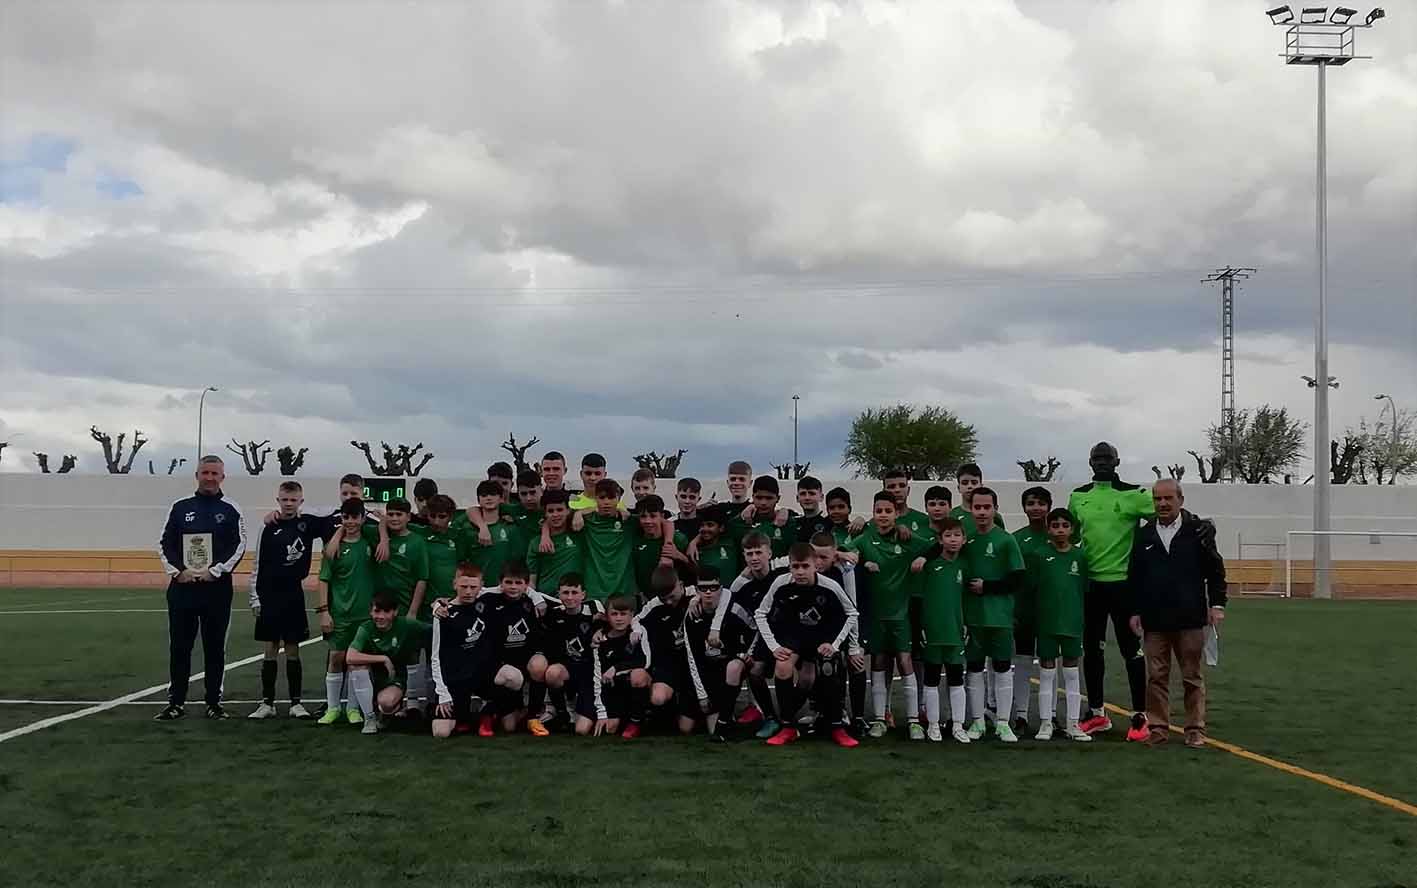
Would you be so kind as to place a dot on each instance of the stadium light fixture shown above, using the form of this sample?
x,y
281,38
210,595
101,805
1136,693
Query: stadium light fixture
x,y
1313,15
1373,16
201,408
1280,15
1341,15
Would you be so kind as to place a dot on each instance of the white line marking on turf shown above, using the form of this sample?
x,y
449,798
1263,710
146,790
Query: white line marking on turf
x,y
109,599
128,610
130,703
119,701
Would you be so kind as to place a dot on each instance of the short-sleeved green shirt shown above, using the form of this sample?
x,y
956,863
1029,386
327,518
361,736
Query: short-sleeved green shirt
x,y
781,538
890,586
990,556
942,604
645,557
549,567
723,554
406,565
401,642
507,543
1061,579
608,539
351,575
1030,544
443,560
965,517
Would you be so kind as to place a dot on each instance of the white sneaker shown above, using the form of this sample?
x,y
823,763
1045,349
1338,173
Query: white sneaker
x,y
1076,733
977,729
933,733
298,711
1005,732
1045,730
959,734
371,725
265,710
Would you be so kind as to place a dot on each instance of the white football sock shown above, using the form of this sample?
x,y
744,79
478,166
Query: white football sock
x,y
957,704
1047,692
880,692
1023,688
932,704
334,685
1004,691
974,683
1072,693
912,697
990,703
362,690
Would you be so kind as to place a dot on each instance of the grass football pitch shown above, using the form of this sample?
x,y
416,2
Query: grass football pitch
x,y
115,798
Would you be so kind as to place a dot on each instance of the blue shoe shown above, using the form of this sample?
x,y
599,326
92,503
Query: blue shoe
x,y
768,728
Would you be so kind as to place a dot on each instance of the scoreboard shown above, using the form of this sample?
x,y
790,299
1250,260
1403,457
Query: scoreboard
x,y
381,490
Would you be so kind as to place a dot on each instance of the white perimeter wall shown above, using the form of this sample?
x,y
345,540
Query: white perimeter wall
x,y
126,512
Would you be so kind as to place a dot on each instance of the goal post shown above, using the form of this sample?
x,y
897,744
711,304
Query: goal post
x,y
1366,563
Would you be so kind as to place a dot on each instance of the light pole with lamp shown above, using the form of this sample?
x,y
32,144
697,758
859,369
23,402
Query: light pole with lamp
x,y
1392,452
1321,39
795,399
201,408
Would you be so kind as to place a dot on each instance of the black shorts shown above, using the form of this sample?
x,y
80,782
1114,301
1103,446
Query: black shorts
x,y
463,693
283,616
713,674
615,697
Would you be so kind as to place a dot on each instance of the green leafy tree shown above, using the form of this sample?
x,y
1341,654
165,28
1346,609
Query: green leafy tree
x,y
1385,457
929,442
1268,441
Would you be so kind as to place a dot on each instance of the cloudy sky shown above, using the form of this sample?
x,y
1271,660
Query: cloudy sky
x,y
627,226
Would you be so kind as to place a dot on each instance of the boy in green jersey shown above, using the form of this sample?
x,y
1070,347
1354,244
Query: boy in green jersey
x,y
968,477
553,470
1032,541
442,546
993,568
347,580
891,560
740,475
423,492
501,472
504,541
938,506
641,485
1060,577
942,617
405,574
567,553
593,471
651,548
380,657
716,550
896,482
527,513
763,516
609,536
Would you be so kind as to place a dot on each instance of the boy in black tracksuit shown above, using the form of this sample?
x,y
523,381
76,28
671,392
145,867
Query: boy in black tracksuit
x,y
570,632
619,680
462,655
662,622
708,663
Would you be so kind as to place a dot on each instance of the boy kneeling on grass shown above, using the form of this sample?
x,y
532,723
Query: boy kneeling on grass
x,y
379,658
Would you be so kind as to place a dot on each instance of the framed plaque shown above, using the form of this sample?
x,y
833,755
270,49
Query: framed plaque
x,y
197,551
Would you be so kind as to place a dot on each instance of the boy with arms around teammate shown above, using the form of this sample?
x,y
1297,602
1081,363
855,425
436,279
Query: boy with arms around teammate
x,y
619,680
567,549
892,560
459,660
666,653
652,548
570,634
968,477
503,541
278,598
1060,584
608,536
347,581
1032,543
993,569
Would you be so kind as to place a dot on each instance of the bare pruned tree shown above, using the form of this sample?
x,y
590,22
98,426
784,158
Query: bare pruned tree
x,y
1175,471
1033,471
396,461
252,456
518,451
791,471
66,465
290,459
1345,463
663,465
113,450
1217,463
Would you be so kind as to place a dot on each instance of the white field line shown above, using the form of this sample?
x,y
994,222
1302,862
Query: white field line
x,y
130,610
109,599
119,701
130,703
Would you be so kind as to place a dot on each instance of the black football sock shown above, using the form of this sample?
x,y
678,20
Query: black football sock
x,y
293,676
536,699
762,697
788,700
268,681
858,693
639,702
558,700
727,695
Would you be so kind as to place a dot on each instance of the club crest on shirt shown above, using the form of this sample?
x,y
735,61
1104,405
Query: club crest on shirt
x,y
403,547
474,632
617,525
1073,568
575,648
295,551
517,632
811,617
989,550
896,548
570,543
959,576
679,636
220,517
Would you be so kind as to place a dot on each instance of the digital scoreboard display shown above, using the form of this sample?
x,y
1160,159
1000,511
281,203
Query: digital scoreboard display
x,y
381,490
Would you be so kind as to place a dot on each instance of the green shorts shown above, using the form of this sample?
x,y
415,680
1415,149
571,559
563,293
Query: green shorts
x,y
944,654
889,637
343,635
1050,647
995,644
382,679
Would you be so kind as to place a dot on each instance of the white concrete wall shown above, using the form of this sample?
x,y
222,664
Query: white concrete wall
x,y
126,512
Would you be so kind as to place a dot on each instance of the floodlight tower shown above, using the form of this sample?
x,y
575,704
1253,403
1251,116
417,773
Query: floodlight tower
x,y
1320,38
1227,276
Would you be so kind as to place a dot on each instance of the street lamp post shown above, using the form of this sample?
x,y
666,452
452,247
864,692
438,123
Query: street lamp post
x,y
795,399
1321,39
201,408
1392,451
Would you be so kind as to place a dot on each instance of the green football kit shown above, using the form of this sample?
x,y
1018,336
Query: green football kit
x,y
993,557
1061,582
350,573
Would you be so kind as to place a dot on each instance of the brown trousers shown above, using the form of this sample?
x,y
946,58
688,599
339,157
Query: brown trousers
x,y
1188,646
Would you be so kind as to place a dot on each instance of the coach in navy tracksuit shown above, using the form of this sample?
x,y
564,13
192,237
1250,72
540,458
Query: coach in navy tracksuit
x,y
201,545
